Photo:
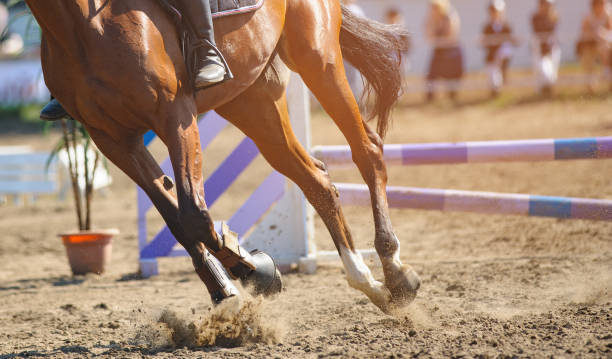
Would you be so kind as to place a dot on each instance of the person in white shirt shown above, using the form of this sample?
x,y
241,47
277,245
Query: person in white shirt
x,y
11,45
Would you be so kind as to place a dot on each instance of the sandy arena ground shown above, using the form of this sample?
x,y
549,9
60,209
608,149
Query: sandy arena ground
x,y
493,286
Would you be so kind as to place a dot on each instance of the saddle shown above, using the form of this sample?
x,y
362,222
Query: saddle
x,y
219,8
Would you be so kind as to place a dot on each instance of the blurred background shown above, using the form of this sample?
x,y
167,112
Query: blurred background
x,y
476,70
459,46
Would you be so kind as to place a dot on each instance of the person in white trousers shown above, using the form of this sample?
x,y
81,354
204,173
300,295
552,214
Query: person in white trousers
x,y
499,44
545,48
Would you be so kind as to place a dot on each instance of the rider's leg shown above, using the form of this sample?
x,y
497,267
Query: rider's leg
x,y
53,111
211,69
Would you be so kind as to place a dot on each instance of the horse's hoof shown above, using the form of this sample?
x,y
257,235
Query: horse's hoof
x,y
266,278
404,286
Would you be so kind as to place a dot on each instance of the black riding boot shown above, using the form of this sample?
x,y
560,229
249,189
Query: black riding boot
x,y
53,111
210,67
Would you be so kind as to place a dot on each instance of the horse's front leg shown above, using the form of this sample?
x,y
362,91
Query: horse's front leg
x,y
132,157
183,141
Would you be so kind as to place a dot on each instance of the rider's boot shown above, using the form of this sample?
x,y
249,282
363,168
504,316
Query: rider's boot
x,y
53,111
210,67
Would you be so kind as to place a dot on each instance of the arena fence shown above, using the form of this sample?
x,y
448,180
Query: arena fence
x,y
447,200
480,152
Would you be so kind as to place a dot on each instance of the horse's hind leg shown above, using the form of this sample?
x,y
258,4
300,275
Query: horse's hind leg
x,y
318,59
133,158
261,113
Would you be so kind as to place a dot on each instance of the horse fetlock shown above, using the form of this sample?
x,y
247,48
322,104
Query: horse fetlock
x,y
378,294
387,247
359,277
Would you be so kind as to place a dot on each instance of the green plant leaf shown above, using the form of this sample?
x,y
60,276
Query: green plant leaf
x,y
12,3
58,147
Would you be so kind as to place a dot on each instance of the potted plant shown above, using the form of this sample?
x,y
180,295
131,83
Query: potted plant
x,y
88,250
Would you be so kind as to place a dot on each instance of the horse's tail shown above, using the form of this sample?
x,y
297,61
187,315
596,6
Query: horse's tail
x,y
376,50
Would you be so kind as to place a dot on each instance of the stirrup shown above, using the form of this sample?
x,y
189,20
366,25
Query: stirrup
x,y
53,111
206,43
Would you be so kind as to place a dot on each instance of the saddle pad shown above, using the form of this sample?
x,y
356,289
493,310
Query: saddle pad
x,y
221,8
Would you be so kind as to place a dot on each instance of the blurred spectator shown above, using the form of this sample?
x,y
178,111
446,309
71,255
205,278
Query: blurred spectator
x,y
3,18
499,44
10,44
594,44
545,48
442,31
394,17
352,75
354,7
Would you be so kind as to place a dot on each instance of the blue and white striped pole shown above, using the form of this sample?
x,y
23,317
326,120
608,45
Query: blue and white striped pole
x,y
482,202
478,152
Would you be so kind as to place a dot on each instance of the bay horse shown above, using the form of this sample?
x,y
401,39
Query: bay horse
x,y
117,67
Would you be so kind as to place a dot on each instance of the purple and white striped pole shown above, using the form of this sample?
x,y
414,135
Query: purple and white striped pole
x,y
478,152
482,202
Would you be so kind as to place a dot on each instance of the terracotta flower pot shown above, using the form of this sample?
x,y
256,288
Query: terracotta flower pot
x,y
88,251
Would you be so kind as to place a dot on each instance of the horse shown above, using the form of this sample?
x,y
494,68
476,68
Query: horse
x,y
117,67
